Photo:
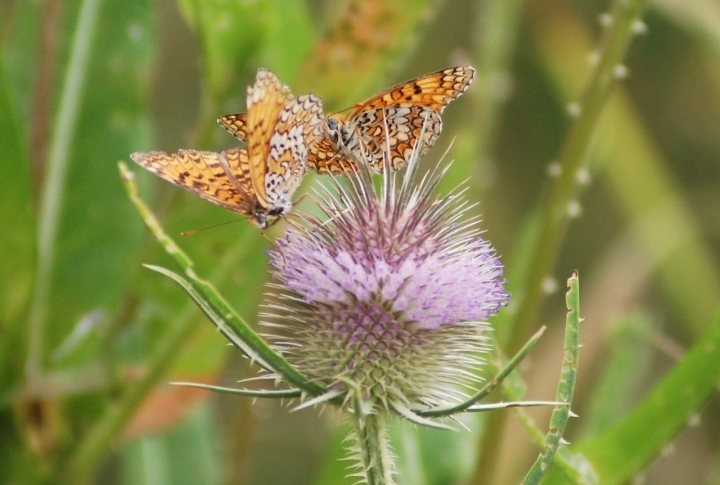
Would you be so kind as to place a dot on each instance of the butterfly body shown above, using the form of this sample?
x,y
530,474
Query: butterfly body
x,y
401,129
398,121
257,181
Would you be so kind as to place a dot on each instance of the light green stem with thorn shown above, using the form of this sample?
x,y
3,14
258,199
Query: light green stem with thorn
x,y
555,213
566,388
373,441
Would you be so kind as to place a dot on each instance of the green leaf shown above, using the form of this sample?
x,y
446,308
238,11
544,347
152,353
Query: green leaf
x,y
231,33
17,225
626,366
204,294
290,36
626,449
19,53
565,390
185,455
335,467
89,237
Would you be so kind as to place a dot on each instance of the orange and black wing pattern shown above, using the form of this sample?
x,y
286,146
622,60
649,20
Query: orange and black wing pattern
x,y
236,124
410,111
299,125
222,178
265,100
434,91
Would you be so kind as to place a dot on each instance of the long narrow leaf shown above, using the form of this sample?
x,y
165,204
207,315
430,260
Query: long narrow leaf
x,y
626,449
210,301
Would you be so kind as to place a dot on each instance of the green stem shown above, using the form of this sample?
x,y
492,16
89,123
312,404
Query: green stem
x,y
556,210
566,387
51,203
210,301
503,372
376,457
105,432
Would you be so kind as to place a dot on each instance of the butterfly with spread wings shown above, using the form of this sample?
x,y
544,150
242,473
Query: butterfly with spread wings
x,y
257,181
410,110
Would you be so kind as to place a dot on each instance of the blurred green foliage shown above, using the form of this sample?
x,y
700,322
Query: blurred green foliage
x,y
89,339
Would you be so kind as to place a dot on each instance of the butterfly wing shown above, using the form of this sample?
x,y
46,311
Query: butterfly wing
x,y
299,126
434,90
222,178
406,126
265,100
236,124
408,110
325,158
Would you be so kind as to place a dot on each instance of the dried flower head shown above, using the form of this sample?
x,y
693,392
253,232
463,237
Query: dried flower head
x,y
386,300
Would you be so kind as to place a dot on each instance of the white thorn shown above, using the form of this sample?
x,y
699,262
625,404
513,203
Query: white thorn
x,y
549,285
594,58
640,479
583,176
639,27
574,209
620,71
694,420
554,169
574,110
668,449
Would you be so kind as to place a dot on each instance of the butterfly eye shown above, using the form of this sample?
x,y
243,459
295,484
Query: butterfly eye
x,y
346,135
332,131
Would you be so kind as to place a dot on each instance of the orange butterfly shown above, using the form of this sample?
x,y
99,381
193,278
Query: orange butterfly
x,y
408,110
257,181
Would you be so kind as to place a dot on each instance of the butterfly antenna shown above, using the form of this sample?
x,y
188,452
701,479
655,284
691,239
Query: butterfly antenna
x,y
195,231
273,244
341,111
265,236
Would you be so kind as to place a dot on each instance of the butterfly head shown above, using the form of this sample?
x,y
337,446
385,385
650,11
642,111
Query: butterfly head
x,y
333,131
264,218
345,138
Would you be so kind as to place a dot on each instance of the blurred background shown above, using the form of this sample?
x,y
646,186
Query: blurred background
x,y
89,339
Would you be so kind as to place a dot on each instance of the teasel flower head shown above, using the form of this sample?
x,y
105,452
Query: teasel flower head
x,y
385,300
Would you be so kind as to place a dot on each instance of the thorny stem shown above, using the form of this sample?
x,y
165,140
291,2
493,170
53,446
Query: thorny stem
x,y
555,213
554,219
566,386
105,431
373,445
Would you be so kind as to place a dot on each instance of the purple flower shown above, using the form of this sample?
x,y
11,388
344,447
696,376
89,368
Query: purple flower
x,y
388,295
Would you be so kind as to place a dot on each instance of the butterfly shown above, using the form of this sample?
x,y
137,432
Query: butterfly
x,y
410,110
257,181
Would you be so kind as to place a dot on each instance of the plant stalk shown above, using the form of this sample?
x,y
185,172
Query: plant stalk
x,y
556,211
51,201
373,442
